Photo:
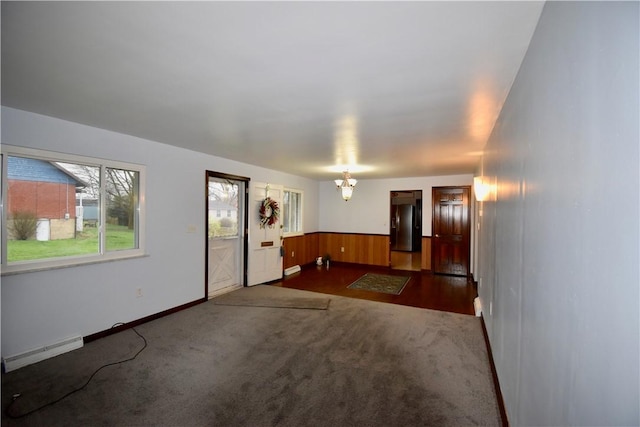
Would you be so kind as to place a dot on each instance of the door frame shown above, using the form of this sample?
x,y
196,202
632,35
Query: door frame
x,y
245,215
418,203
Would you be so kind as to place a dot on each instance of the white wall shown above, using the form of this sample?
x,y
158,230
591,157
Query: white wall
x,y
41,308
559,244
368,210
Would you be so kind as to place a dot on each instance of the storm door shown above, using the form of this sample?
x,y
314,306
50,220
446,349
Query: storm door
x,y
226,233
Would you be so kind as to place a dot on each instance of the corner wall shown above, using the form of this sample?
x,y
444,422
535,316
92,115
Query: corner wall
x,y
558,244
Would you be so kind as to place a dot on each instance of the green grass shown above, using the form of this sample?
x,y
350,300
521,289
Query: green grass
x,y
85,243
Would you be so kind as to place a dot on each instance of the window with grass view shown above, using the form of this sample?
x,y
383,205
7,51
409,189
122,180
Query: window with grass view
x,y
292,212
68,208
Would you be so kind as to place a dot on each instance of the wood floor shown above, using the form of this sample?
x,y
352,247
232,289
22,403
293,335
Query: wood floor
x,y
424,290
406,260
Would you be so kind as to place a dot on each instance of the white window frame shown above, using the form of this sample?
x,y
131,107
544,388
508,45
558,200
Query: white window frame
x,y
69,261
301,231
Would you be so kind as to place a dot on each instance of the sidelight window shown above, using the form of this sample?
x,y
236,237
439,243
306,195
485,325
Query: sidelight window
x,y
292,212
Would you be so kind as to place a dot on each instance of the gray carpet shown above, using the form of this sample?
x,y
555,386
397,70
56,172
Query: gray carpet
x,y
359,363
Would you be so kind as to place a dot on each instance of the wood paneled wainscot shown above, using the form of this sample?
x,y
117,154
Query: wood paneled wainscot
x,y
371,249
426,253
300,250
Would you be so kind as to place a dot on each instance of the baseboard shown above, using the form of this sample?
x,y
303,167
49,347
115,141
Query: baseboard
x,y
334,263
494,374
347,264
17,361
474,281
135,323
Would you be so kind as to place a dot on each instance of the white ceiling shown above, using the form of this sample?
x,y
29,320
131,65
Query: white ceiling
x,y
385,89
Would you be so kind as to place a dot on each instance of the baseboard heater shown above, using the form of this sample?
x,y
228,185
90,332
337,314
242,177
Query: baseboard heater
x,y
291,270
33,356
477,305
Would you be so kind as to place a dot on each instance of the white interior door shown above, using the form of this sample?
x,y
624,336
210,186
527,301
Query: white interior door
x,y
265,258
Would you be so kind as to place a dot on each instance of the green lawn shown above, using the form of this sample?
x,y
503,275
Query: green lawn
x,y
86,243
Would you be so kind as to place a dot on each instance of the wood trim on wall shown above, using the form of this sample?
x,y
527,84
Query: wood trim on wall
x,y
124,326
300,250
426,253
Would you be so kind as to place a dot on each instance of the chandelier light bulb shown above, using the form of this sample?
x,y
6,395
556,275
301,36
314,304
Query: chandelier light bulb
x,y
346,185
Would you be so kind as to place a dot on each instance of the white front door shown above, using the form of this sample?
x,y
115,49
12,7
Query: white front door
x,y
265,241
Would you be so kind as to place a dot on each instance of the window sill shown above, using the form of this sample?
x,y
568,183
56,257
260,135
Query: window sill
x,y
32,267
297,233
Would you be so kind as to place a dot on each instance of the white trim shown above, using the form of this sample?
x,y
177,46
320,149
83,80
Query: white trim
x,y
55,156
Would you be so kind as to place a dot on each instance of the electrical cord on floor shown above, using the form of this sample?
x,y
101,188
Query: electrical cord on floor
x,y
18,395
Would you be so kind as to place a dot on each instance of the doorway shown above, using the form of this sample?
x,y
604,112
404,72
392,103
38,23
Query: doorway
x,y
451,230
405,230
226,247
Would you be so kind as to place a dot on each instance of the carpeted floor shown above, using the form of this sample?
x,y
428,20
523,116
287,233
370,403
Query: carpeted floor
x,y
357,363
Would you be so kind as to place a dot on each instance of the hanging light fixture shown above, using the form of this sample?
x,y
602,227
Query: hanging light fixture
x,y
346,185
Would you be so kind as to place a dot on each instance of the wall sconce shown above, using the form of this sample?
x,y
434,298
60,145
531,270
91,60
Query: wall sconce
x,y
481,188
346,185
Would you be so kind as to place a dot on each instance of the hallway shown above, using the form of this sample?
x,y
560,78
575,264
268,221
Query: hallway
x,y
401,260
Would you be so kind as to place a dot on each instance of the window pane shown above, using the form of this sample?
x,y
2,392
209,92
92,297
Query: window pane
x,y
121,188
292,216
295,212
223,195
285,211
42,218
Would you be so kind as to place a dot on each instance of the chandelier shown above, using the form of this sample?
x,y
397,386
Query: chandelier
x,y
346,185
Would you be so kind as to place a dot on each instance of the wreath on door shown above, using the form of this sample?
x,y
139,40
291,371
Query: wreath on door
x,y
269,213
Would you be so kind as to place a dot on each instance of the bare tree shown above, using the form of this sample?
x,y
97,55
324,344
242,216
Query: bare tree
x,y
120,189
225,192
89,175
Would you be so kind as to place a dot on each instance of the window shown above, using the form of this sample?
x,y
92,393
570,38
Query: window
x,y
64,210
292,212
